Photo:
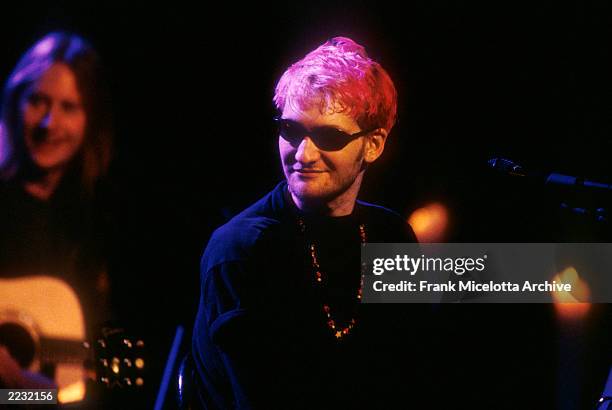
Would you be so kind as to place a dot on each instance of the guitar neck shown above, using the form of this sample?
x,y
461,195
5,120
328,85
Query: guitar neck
x,y
63,351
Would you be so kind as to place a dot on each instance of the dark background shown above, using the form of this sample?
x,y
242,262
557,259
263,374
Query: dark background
x,y
192,91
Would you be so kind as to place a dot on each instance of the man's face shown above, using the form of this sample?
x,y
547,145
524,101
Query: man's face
x,y
53,118
314,175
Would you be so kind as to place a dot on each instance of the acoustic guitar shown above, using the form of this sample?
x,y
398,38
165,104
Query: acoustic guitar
x,y
43,327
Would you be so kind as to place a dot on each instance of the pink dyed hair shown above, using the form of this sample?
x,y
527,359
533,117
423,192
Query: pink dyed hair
x,y
340,77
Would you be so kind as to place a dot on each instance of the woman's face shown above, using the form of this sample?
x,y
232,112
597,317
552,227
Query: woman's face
x,y
53,117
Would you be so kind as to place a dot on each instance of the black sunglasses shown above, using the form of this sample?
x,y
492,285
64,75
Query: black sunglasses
x,y
326,138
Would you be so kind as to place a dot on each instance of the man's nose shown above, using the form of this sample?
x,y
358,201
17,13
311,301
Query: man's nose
x,y
307,151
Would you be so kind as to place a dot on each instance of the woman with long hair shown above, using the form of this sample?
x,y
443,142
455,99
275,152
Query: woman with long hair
x,y
55,148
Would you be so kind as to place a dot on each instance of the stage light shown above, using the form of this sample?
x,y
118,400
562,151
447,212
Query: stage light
x,y
574,304
430,223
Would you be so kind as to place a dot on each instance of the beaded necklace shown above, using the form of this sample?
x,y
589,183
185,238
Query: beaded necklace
x,y
338,331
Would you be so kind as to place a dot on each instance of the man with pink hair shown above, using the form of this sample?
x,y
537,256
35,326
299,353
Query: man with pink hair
x,y
280,323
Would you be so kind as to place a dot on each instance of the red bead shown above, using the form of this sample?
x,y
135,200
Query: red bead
x,y
319,276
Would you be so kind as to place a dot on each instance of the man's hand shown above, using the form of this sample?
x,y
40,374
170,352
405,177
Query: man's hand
x,y
13,377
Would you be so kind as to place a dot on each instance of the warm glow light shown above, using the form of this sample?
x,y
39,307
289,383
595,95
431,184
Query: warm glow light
x,y
574,304
430,223
71,393
139,363
115,365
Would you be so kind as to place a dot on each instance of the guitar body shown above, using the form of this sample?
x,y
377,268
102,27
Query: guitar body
x,y
44,308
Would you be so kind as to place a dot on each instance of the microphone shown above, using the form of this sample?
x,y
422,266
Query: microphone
x,y
509,167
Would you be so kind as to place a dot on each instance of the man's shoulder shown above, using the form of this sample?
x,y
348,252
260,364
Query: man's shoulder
x,y
379,213
388,225
236,239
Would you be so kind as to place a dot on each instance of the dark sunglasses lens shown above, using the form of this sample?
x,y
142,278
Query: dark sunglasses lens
x,y
290,131
330,139
326,138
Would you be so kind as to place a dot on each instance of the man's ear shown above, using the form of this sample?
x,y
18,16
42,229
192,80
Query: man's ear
x,y
375,145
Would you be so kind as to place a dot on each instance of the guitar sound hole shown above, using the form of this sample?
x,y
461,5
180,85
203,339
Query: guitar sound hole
x,y
18,342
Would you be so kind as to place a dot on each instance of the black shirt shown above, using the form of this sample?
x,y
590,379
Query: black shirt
x,y
62,237
261,338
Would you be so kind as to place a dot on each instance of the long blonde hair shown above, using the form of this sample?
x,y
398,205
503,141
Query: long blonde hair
x,y
72,50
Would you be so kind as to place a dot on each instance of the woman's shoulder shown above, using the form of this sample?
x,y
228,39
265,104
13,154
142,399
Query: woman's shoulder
x,y
11,194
